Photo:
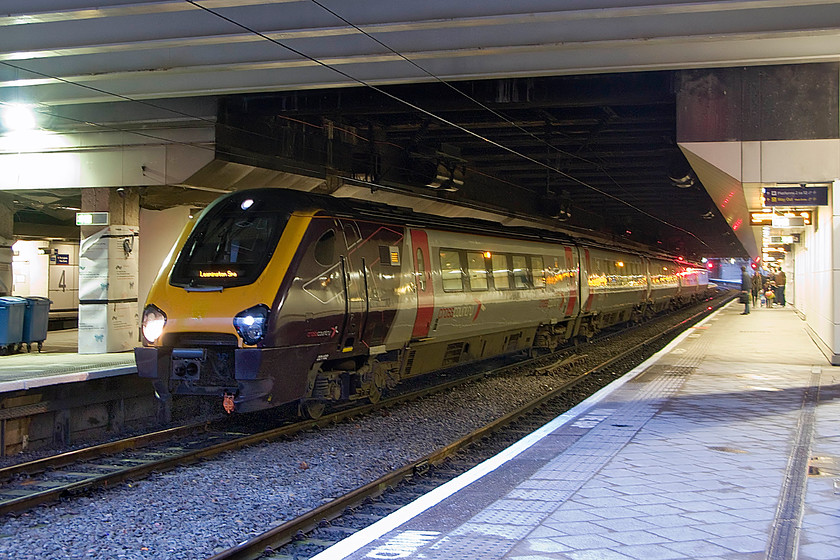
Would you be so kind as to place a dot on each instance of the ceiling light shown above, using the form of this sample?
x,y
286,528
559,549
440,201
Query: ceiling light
x,y
18,117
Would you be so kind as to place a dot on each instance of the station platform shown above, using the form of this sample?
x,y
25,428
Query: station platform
x,y
59,362
725,445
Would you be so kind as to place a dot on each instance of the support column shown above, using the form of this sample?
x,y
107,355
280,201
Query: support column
x,y
7,215
108,318
742,129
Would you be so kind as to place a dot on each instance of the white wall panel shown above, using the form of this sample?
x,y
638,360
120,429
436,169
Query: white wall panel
x,y
103,159
792,161
818,278
159,231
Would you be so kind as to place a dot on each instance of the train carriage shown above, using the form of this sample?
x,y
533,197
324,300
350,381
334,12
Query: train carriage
x,y
489,295
617,287
663,285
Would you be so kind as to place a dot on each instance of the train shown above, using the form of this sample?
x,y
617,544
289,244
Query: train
x,y
277,297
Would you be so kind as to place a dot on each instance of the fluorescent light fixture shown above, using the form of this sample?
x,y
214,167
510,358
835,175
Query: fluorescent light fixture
x,y
17,117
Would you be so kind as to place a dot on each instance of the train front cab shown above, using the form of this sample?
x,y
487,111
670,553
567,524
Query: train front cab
x,y
694,282
209,312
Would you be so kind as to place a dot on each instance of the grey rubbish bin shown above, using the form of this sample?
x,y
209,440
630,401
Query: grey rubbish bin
x,y
36,319
12,310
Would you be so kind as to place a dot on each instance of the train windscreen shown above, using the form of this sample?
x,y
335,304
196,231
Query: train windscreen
x,y
231,244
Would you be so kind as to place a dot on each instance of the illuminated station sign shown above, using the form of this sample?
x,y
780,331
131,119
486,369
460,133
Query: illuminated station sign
x,y
795,196
92,218
796,218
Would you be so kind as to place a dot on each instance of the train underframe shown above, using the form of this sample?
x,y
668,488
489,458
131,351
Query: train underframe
x,y
250,379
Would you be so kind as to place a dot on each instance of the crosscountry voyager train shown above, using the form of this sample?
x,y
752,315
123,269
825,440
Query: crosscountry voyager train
x,y
274,296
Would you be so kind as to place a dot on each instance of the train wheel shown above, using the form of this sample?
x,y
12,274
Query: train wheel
x,y
313,409
377,385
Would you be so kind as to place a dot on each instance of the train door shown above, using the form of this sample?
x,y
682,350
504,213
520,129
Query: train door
x,y
423,281
354,274
572,285
587,294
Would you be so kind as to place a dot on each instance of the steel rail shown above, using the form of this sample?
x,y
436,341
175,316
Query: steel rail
x,y
109,448
135,472
285,533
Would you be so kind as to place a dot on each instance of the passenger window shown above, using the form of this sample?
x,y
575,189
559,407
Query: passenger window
x,y
520,272
325,249
477,272
501,274
553,275
450,271
538,272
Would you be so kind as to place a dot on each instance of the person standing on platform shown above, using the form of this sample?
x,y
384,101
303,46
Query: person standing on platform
x,y
746,288
780,286
756,287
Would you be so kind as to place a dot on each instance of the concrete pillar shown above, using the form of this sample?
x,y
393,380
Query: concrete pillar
x,y
108,288
7,215
744,128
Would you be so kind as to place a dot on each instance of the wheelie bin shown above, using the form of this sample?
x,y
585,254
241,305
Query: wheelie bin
x,y
36,319
12,310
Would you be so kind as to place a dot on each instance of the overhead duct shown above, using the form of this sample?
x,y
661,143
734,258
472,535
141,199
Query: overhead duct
x,y
449,175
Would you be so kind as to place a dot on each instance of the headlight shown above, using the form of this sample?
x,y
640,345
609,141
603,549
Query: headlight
x,y
153,321
251,323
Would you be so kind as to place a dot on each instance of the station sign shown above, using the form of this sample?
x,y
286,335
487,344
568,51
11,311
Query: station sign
x,y
784,239
797,218
93,218
795,196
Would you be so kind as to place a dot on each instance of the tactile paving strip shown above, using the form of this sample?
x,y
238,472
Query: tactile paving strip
x,y
470,548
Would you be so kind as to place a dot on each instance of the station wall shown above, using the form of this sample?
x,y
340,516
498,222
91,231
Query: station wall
x,y
817,272
47,268
159,230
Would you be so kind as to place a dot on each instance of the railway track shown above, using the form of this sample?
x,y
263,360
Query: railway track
x,y
318,529
27,485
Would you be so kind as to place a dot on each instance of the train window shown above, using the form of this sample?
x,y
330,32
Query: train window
x,y
421,271
501,274
450,271
325,249
477,272
553,275
351,233
520,272
538,272
231,244
597,275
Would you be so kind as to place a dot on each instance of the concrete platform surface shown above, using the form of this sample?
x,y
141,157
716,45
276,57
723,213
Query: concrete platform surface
x,y
726,445
59,362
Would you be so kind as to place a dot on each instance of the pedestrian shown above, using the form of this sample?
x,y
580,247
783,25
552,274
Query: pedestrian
x,y
770,292
780,280
756,287
746,288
